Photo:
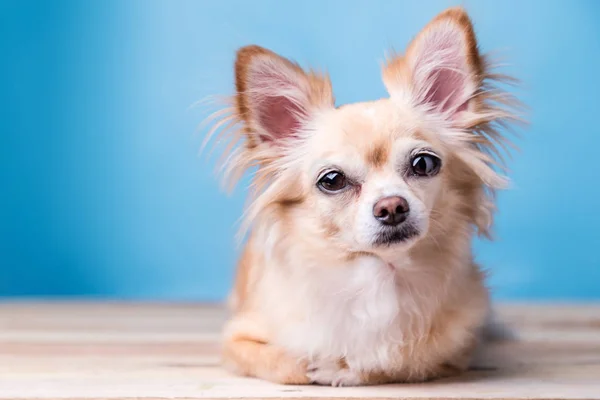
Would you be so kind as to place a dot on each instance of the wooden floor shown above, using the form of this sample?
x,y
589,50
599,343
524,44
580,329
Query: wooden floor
x,y
171,351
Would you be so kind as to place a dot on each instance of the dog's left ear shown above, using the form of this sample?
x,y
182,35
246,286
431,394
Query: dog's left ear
x,y
442,69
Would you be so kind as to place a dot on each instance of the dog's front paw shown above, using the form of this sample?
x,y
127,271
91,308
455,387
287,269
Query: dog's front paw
x,y
332,372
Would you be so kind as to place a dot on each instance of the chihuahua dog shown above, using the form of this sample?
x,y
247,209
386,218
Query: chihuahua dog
x,y
357,268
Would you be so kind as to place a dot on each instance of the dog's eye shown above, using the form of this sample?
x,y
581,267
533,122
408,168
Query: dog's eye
x,y
332,182
425,165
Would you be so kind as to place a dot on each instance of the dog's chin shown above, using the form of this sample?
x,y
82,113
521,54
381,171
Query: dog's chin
x,y
402,236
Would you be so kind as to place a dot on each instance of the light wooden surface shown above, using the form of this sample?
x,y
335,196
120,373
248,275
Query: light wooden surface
x,y
91,350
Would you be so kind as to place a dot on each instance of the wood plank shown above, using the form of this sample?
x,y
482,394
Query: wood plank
x,y
158,351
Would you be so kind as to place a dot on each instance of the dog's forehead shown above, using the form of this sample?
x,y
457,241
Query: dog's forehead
x,y
372,115
367,128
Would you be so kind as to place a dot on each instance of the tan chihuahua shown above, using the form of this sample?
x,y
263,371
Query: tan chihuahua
x,y
358,267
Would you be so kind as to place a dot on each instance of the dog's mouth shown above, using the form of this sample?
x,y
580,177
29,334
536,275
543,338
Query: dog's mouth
x,y
389,237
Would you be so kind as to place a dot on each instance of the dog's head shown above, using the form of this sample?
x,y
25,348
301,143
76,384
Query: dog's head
x,y
373,176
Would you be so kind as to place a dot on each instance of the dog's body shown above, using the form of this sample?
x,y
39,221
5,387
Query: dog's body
x,y
358,268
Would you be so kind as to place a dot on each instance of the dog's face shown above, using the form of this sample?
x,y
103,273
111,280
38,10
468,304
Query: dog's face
x,y
373,176
376,176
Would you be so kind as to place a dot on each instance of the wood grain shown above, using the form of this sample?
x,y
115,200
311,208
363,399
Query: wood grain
x,y
159,351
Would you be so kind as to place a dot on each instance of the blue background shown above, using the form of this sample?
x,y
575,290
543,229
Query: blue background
x,y
102,191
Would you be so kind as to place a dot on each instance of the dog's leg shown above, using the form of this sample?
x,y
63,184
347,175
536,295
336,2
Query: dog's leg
x,y
265,361
246,351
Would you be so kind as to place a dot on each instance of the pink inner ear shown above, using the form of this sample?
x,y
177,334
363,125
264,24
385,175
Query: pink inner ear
x,y
279,117
277,97
446,92
441,70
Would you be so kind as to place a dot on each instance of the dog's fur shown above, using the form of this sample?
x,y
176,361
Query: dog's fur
x,y
321,294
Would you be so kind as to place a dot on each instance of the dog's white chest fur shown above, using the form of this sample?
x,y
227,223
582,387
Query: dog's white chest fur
x,y
350,311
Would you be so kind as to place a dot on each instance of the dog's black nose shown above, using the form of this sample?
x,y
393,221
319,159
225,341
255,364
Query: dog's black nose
x,y
391,211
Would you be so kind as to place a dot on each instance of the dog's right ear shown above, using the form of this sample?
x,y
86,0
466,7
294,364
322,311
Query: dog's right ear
x,y
275,98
